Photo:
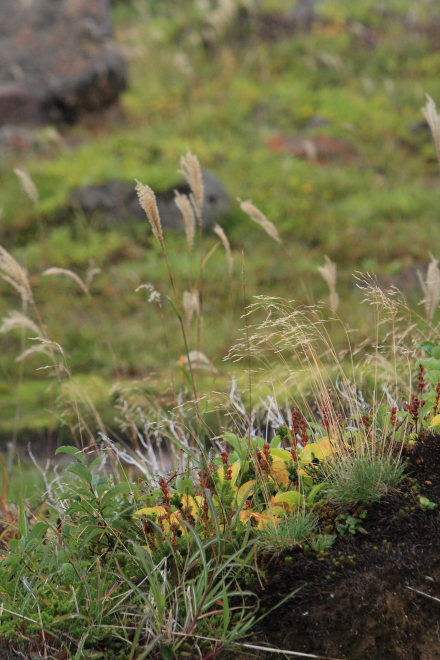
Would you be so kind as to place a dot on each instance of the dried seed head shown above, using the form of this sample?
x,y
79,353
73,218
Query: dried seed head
x,y
328,273
186,208
45,346
15,320
69,273
257,216
15,275
147,199
27,184
191,305
91,274
154,294
431,288
431,116
190,168
224,239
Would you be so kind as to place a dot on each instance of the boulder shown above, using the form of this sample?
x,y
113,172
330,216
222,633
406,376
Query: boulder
x,y
115,202
57,60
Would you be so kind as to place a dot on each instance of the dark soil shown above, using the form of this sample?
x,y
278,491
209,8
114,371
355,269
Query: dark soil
x,y
359,602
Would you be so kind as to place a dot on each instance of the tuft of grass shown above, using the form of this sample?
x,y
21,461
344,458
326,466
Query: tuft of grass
x,y
363,479
292,531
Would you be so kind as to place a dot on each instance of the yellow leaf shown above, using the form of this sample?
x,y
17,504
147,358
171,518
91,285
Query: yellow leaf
x,y
435,421
235,468
279,471
315,450
150,510
260,519
161,511
194,503
243,491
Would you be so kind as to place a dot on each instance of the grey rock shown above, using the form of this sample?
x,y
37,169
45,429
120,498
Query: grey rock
x,y
57,60
116,203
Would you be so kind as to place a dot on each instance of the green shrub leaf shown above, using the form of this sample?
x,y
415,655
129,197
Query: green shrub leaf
x,y
73,451
81,470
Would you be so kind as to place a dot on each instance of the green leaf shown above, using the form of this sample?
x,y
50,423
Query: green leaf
x,y
176,311
430,363
38,530
275,442
123,487
183,486
75,508
186,375
102,488
292,498
73,451
281,453
238,444
65,495
226,611
426,346
96,531
22,520
167,653
97,461
81,471
314,492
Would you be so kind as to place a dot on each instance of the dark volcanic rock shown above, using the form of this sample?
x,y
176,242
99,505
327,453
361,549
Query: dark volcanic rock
x,y
57,60
116,202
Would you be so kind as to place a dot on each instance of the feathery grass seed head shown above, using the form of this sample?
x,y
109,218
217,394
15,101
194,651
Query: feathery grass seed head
x,y
27,184
328,273
186,208
431,288
69,273
191,170
147,199
224,239
15,319
154,294
433,119
15,275
191,305
257,216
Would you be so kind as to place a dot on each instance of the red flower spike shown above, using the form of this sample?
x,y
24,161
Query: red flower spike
x,y
393,417
421,383
437,399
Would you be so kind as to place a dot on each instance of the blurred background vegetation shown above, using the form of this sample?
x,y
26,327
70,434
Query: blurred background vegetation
x,y
238,83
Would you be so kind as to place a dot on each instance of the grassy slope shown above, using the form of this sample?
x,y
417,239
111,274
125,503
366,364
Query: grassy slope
x,y
376,213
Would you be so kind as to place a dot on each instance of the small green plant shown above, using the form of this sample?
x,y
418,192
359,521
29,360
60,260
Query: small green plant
x,y
348,525
426,504
321,542
363,479
292,531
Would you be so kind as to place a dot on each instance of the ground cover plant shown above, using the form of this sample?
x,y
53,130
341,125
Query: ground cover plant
x,y
167,563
